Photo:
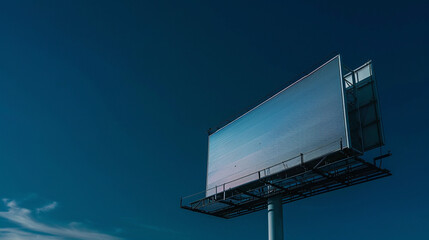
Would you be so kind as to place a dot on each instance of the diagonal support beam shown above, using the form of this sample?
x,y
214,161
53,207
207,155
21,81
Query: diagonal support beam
x,y
320,162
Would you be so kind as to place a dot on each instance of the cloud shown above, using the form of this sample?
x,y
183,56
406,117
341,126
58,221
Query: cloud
x,y
37,230
47,208
15,234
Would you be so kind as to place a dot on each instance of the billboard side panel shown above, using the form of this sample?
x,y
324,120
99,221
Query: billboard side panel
x,y
308,117
343,95
367,130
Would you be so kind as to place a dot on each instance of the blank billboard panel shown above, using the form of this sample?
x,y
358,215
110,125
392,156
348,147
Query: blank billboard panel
x,y
306,119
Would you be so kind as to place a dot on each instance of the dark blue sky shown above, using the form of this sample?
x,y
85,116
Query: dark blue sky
x,y
104,108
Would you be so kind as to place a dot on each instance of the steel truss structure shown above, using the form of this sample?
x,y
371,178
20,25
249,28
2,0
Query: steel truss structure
x,y
334,171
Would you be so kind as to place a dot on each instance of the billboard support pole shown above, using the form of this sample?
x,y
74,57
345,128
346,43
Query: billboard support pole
x,y
275,218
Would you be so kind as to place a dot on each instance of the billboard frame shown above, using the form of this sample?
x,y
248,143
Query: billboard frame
x,y
344,109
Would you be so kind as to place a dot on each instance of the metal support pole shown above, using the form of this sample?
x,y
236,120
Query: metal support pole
x,y
275,218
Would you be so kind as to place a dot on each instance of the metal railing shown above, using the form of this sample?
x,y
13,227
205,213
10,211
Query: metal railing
x,y
218,192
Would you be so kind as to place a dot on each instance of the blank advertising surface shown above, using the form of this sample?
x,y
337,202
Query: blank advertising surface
x,y
304,121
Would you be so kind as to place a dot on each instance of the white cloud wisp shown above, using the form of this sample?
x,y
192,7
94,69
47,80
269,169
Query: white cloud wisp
x,y
39,230
51,206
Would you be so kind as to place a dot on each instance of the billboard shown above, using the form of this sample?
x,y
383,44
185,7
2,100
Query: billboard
x,y
304,121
